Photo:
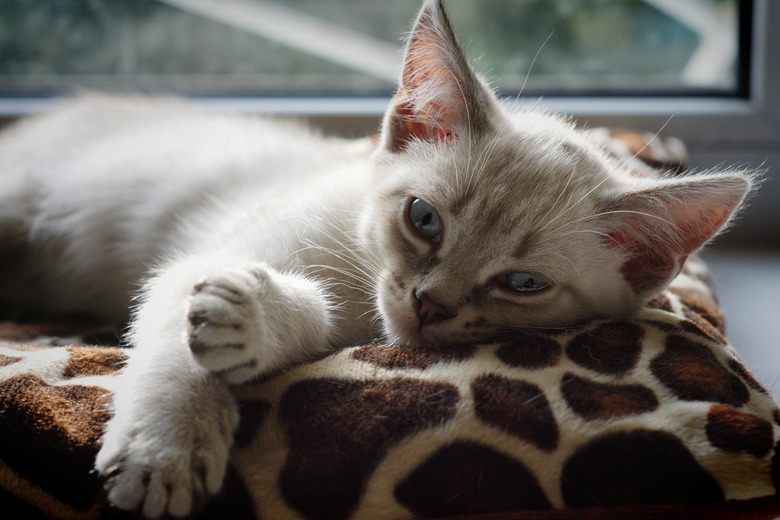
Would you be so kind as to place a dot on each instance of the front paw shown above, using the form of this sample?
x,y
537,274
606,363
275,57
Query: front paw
x,y
227,322
248,319
164,459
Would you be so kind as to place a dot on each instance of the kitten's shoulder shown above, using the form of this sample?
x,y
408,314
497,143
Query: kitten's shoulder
x,y
108,110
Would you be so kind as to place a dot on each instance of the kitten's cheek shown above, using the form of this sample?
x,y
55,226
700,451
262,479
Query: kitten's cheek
x,y
398,317
384,306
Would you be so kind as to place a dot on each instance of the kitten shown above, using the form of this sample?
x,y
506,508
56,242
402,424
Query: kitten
x,y
272,244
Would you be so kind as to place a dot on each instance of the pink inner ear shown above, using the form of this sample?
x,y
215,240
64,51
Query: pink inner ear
x,y
430,103
422,126
658,236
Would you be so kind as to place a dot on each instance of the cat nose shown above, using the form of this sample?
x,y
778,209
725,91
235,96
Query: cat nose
x,y
428,311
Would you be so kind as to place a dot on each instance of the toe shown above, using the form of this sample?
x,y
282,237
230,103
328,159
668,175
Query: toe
x,y
126,489
180,503
156,497
214,468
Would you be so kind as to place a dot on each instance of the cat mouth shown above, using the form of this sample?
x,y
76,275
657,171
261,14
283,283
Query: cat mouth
x,y
418,324
412,335
407,334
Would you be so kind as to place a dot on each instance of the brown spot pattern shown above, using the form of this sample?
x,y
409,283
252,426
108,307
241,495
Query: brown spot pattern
x,y
691,371
661,302
640,467
701,305
559,331
612,348
591,400
234,502
697,325
252,416
516,407
469,478
94,361
339,431
531,351
746,376
50,435
8,360
776,469
732,430
397,358
663,326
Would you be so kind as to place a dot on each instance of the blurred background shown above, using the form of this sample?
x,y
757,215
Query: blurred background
x,y
707,71
350,47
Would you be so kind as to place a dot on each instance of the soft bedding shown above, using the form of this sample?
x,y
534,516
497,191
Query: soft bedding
x,y
654,417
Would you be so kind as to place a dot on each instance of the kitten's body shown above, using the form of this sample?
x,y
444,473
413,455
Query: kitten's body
x,y
273,244
124,183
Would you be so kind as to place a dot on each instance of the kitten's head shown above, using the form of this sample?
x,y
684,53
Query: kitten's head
x,y
487,221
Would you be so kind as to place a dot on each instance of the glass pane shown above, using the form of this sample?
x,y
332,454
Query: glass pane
x,y
350,47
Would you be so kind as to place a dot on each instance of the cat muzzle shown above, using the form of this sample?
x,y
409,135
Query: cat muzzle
x,y
429,311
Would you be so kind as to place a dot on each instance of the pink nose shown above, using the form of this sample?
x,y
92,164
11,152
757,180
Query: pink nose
x,y
428,311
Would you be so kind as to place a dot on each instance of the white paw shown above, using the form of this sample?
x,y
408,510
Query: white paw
x,y
228,326
166,460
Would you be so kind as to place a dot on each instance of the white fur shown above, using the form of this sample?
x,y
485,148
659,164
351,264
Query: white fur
x,y
204,198
262,243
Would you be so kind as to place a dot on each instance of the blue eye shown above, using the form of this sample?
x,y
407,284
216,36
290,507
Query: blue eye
x,y
525,282
425,219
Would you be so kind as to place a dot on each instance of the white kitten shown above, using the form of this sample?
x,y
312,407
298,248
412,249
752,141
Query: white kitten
x,y
272,244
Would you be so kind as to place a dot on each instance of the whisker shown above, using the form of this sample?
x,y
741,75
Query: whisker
x,y
480,165
601,233
573,266
557,200
356,274
575,204
348,248
618,211
330,284
533,62
648,143
373,319
346,254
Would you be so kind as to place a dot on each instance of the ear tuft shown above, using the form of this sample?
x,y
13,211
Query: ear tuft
x,y
438,95
658,228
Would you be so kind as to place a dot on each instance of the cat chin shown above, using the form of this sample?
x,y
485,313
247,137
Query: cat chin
x,y
411,339
414,337
402,328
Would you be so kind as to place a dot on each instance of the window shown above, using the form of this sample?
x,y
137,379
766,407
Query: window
x,y
350,47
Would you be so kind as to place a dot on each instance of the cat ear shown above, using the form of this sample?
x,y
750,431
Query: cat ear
x,y
438,95
657,228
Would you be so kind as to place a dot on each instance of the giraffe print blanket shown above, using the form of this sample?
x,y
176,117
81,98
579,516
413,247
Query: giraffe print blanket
x,y
654,417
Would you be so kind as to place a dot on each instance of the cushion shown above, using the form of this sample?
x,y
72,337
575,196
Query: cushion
x,y
654,417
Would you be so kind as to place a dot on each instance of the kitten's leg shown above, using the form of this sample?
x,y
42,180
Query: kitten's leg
x,y
168,441
173,423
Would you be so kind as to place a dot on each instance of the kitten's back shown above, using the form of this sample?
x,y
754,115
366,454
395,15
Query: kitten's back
x,y
120,182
